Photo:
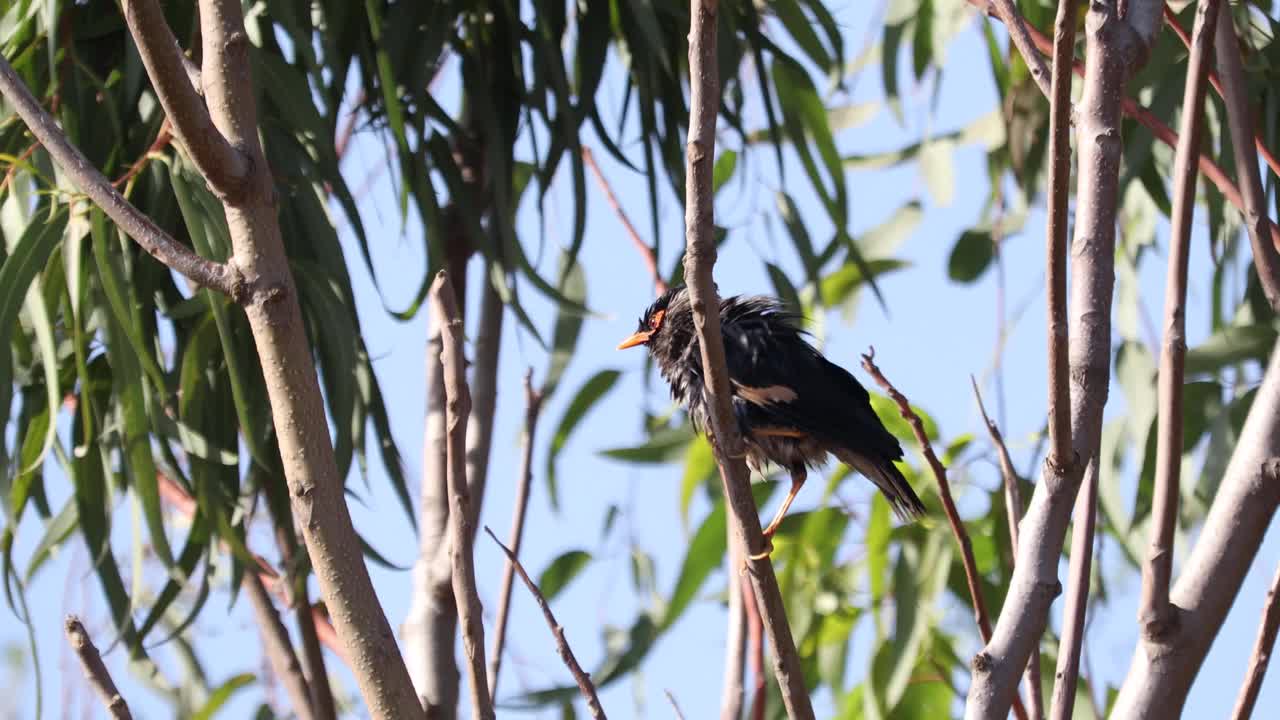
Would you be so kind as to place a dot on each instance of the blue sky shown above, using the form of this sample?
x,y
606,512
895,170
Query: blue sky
x,y
935,335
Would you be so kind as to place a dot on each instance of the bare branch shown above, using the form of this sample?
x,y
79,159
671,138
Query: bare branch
x,y
484,381
278,648
157,243
532,408
1077,604
1219,85
457,407
699,262
1116,47
1261,652
1161,674
755,649
562,645
1154,612
223,166
646,252
1013,510
675,706
735,642
1235,93
1064,40
1021,37
95,671
322,705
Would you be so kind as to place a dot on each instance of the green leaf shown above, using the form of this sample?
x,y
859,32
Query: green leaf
x,y
938,170
699,466
662,446
222,694
839,285
596,387
723,170
971,256
705,554
564,339
562,570
1231,345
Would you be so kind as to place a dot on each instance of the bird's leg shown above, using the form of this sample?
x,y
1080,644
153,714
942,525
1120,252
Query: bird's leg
x,y
798,476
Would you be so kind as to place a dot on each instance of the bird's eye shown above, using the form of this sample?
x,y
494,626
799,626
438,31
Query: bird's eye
x,y
655,322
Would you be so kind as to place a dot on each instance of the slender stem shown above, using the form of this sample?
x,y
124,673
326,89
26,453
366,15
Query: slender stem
x,y
675,706
1077,603
322,705
457,407
95,671
1064,40
1160,676
1013,510
646,251
157,243
223,166
1116,48
1021,37
1261,652
755,649
1211,170
532,408
279,650
562,645
699,262
1235,94
1221,84
484,382
1154,612
735,643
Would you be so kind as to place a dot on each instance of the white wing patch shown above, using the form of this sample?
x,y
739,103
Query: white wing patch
x,y
765,395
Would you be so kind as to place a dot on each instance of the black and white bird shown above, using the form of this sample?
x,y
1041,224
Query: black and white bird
x,y
794,407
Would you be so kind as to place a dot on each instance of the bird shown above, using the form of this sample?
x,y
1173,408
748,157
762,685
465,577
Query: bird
x,y
794,408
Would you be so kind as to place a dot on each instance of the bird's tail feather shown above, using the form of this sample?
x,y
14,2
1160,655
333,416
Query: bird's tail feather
x,y
904,501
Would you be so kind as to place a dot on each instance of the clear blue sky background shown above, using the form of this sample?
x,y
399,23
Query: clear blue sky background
x,y
935,335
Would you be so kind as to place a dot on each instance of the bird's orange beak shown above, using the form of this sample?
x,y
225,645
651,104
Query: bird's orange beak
x,y
635,339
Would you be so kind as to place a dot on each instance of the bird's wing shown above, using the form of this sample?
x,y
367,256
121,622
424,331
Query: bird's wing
x,y
780,381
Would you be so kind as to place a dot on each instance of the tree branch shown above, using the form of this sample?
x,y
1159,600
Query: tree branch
x,y
457,407
157,243
532,408
1220,86
322,705
646,251
1235,94
1064,40
278,648
1013,511
95,671
562,645
699,261
223,166
1261,652
971,576
1021,37
1116,47
484,381
755,649
1154,612
1161,674
1067,673
733,689
297,408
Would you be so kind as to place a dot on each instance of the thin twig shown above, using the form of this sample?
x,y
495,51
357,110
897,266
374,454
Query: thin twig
x,y
1067,672
163,136
1154,611
675,706
1261,652
279,650
1021,37
562,645
484,384
322,705
458,406
95,671
532,408
699,263
1235,94
646,251
85,176
1211,170
18,162
732,687
1064,39
755,650
223,165
1223,86
1013,510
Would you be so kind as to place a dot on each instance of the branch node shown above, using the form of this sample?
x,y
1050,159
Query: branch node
x,y
982,663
